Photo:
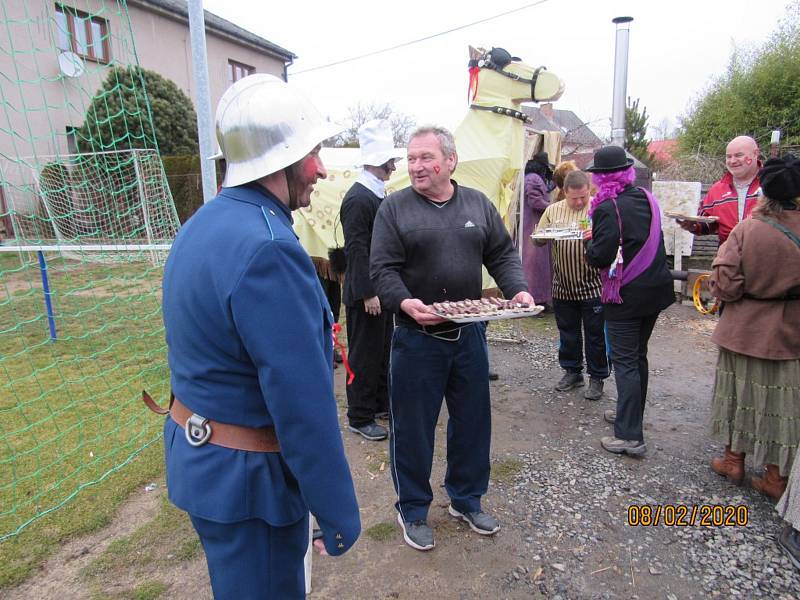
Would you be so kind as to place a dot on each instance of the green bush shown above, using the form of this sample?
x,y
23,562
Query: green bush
x,y
119,117
186,183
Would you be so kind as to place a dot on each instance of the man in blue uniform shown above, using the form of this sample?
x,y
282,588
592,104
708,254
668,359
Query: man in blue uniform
x,y
429,242
253,442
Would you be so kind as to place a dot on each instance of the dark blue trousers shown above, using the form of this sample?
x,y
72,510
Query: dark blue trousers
x,y
571,317
629,338
252,560
423,370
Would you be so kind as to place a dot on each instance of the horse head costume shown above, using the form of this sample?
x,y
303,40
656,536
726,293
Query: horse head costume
x,y
489,141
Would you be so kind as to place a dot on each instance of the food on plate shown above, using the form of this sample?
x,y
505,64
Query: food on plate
x,y
483,309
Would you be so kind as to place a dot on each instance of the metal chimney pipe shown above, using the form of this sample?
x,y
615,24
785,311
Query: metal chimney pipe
x,y
620,80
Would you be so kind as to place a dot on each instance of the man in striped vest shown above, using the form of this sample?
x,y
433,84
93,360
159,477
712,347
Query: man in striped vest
x,y
576,294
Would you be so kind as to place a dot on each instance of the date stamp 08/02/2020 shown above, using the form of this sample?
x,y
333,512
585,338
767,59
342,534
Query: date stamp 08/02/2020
x,y
685,515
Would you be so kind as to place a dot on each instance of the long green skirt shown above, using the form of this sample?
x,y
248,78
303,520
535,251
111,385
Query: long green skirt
x,y
756,408
788,506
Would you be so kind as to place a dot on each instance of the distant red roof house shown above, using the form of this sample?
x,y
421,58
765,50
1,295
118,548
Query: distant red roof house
x,y
663,150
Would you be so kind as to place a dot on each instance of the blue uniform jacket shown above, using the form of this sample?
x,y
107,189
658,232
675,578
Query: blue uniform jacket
x,y
249,342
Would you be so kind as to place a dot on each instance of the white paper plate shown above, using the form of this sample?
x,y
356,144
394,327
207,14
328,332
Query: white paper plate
x,y
692,218
557,235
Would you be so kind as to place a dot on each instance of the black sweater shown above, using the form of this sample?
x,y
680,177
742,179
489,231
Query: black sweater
x,y
420,250
358,215
651,291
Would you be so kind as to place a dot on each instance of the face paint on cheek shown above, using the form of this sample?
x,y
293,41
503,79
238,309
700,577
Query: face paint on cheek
x,y
748,160
309,169
436,169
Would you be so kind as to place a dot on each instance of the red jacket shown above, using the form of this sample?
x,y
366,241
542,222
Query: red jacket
x,y
722,201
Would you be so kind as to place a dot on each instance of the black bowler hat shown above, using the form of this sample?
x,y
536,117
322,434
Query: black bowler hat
x,y
608,159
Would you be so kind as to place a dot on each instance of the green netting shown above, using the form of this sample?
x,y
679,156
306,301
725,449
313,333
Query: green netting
x,y
86,219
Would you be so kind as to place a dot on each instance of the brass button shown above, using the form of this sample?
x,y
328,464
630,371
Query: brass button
x,y
340,545
338,536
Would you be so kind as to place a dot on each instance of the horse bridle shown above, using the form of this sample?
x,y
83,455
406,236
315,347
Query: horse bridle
x,y
486,62
500,110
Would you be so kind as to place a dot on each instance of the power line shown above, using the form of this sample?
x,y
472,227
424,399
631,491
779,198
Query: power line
x,y
422,39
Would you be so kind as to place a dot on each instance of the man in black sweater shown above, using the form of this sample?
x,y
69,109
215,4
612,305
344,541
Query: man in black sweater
x,y
369,328
429,243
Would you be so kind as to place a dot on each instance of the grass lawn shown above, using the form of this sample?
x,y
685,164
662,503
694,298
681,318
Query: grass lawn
x,y
71,408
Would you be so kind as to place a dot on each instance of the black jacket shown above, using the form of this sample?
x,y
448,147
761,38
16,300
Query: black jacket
x,y
357,216
650,292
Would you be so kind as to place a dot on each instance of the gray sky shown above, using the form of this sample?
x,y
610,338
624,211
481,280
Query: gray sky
x,y
676,48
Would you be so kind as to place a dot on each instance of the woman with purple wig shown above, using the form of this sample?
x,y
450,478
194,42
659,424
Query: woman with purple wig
x,y
626,244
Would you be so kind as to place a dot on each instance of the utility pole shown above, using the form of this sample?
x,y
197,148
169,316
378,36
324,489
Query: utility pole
x,y
197,29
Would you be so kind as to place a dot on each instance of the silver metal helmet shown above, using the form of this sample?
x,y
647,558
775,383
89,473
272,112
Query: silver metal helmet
x,y
264,125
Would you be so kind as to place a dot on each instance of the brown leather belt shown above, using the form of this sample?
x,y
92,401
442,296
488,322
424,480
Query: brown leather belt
x,y
200,431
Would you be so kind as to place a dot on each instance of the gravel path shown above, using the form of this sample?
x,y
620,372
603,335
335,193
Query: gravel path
x,y
570,498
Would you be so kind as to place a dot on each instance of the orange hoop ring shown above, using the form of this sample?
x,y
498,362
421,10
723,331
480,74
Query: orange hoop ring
x,y
703,307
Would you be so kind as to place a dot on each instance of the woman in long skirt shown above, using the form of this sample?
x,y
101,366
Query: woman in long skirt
x,y
756,404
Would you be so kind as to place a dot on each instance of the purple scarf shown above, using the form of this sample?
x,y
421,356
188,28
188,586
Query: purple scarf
x,y
616,276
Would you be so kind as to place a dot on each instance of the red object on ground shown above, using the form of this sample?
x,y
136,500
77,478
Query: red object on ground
x,y
337,344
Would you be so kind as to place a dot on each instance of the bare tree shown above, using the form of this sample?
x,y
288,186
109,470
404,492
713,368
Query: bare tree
x,y
359,113
693,167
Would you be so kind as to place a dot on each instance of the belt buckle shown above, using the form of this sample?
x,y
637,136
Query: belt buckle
x,y
197,430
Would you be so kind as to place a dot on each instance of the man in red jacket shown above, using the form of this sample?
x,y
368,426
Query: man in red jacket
x,y
733,197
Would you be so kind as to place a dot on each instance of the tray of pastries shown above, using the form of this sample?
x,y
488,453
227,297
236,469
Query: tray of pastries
x,y
485,309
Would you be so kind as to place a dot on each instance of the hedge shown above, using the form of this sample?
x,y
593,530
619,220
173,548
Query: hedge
x,y
186,183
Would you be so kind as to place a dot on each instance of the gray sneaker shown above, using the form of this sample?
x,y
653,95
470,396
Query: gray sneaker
x,y
569,380
371,431
479,522
618,446
417,534
610,416
595,391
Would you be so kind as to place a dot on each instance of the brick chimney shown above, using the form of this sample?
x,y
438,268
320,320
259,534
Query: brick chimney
x,y
547,110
